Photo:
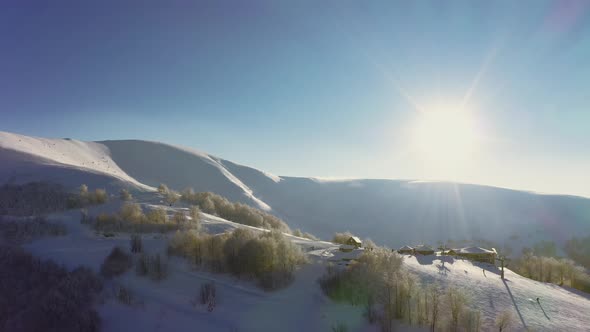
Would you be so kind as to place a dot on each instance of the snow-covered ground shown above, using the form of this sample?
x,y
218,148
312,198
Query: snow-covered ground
x,y
560,309
168,305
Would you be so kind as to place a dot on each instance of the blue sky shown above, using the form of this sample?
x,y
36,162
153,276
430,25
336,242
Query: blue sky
x,y
311,88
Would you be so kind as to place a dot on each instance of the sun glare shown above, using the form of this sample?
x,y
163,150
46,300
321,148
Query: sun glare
x,y
444,136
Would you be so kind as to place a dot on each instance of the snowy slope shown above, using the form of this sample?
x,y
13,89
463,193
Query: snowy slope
x,y
559,310
66,161
168,305
427,212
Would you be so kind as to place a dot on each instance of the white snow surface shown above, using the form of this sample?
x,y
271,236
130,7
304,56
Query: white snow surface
x,y
67,153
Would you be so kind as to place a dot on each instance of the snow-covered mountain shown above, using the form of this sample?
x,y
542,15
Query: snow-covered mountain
x,y
391,212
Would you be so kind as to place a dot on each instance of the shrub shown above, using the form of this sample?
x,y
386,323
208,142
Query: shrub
x,y
159,268
85,198
132,212
142,268
163,189
125,195
115,264
179,217
99,197
106,222
124,295
157,216
153,266
171,197
207,292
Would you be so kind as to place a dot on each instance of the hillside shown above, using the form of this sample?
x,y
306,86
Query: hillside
x,y
377,209
168,305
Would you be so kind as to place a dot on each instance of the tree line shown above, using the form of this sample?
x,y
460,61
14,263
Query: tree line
x,y
237,212
131,218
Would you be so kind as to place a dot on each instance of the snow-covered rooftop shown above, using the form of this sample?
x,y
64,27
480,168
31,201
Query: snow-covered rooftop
x,y
474,250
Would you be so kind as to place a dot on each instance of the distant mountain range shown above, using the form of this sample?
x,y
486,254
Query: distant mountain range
x,y
391,212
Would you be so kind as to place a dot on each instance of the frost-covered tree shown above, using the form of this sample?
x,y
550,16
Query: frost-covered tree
x,y
125,195
163,189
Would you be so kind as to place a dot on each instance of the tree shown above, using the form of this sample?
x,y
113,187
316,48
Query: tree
x,y
195,214
157,216
131,212
171,197
136,243
456,301
179,217
504,320
163,189
83,190
434,302
125,195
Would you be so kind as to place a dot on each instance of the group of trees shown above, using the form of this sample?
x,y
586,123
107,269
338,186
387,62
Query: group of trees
x,y
378,282
560,271
33,198
40,295
131,218
269,258
306,235
578,249
237,212
19,231
85,197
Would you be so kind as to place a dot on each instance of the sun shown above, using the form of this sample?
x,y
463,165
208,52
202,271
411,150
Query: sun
x,y
445,136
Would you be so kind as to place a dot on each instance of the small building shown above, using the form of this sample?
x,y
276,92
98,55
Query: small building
x,y
475,254
347,248
423,250
406,250
354,241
